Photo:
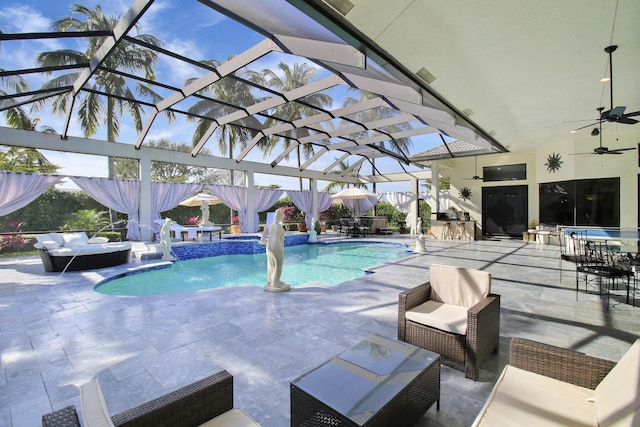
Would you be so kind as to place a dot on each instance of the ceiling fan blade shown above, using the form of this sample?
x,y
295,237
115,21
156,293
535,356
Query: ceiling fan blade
x,y
635,113
588,126
626,120
624,149
616,112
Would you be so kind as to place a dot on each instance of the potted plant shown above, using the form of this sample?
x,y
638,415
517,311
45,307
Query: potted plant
x,y
235,225
302,223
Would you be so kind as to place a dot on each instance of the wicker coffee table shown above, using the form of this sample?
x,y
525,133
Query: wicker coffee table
x,y
378,382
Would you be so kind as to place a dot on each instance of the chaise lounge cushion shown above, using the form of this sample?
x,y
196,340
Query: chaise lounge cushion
x,y
523,398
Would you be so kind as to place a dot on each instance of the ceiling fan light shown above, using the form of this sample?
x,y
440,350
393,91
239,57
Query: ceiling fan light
x,y
595,132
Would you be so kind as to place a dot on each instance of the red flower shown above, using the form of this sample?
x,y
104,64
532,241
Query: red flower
x,y
235,220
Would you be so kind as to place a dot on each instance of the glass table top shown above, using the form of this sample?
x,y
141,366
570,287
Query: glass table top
x,y
363,379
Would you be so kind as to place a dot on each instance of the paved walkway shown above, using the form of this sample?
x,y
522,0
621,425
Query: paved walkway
x,y
57,333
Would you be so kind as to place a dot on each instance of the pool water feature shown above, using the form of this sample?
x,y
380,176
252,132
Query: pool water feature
x,y
329,263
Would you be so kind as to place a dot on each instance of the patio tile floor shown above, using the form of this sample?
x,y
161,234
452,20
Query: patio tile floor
x,y
57,333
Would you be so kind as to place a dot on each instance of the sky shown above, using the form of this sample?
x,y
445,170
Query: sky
x,y
184,26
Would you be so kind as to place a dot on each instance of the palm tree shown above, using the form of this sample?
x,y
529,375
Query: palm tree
x,y
292,78
126,56
20,159
231,91
339,170
400,145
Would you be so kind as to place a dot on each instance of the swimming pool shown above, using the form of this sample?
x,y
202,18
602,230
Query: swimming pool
x,y
329,263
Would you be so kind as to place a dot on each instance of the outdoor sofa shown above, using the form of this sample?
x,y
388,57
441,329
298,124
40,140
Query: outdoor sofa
x,y
75,251
206,403
544,385
454,314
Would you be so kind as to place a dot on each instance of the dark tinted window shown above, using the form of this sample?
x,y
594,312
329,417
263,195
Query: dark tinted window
x,y
504,172
593,202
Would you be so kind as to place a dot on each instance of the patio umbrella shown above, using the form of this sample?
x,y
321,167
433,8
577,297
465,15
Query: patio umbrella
x,y
203,200
357,199
199,198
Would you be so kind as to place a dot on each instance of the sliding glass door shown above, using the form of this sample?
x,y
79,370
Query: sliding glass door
x,y
586,202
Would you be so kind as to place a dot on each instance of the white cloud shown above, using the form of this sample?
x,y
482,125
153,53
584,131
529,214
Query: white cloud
x,y
22,18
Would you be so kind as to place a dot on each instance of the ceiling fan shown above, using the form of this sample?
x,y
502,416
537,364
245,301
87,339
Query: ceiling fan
x,y
600,149
614,114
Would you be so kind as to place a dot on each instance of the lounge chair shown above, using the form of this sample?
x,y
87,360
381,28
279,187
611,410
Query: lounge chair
x,y
454,314
207,401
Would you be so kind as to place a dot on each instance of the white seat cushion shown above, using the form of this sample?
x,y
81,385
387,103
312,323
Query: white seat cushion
x,y
45,241
94,408
75,239
458,285
232,418
446,317
522,398
618,394
97,240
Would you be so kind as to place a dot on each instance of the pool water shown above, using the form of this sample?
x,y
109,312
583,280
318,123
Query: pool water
x,y
327,263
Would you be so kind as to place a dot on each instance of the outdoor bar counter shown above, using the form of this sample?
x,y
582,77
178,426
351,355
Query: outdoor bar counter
x,y
438,225
377,223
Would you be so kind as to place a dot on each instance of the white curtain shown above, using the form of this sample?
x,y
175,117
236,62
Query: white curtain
x,y
302,200
234,197
402,202
168,195
360,206
18,189
265,198
445,200
121,195
324,201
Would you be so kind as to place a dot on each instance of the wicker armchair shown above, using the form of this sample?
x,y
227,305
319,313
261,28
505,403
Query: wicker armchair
x,y
189,406
469,344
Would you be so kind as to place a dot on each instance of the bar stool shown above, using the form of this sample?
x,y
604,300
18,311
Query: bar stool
x,y
461,231
447,233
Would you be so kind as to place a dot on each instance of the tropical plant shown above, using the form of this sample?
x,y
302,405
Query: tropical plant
x,y
13,242
19,159
340,169
191,220
289,78
228,91
126,56
87,219
166,171
399,145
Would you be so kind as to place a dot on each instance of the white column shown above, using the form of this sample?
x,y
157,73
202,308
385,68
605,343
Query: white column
x,y
313,183
251,202
414,206
435,185
144,210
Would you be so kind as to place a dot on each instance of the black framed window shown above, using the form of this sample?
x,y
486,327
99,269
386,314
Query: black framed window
x,y
594,202
504,172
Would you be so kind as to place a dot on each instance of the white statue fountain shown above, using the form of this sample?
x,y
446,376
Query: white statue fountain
x,y
313,234
273,237
204,208
165,239
421,246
